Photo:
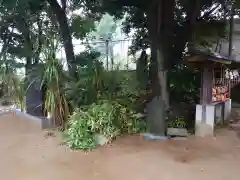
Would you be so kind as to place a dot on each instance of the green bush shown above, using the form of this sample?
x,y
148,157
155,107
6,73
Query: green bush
x,y
107,118
78,133
179,122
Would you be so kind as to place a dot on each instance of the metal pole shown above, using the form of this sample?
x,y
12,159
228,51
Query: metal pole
x,y
230,37
112,57
107,52
230,41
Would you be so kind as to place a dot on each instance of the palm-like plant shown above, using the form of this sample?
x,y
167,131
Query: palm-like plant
x,y
13,86
5,77
19,91
53,78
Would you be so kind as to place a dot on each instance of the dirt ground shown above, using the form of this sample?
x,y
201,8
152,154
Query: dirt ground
x,y
27,153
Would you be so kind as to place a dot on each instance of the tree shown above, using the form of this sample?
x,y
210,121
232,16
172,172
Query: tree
x,y
178,30
57,13
21,38
165,26
81,25
148,16
61,15
26,26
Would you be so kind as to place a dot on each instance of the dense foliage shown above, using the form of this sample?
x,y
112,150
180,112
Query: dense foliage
x,y
101,101
107,118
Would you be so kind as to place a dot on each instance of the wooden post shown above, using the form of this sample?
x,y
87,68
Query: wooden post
x,y
207,80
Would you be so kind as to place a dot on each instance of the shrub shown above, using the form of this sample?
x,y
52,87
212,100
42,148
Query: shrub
x,y
108,118
179,122
79,134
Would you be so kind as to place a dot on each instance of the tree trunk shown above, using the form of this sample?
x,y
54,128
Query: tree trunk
x,y
153,70
158,72
66,35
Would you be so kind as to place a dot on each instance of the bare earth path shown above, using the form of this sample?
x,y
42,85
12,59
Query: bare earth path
x,y
28,154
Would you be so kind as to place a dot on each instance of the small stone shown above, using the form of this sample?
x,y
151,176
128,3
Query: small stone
x,y
235,127
177,132
101,139
179,138
149,136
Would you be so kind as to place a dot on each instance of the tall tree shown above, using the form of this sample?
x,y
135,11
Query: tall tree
x,y
25,27
57,12
60,12
21,38
68,27
166,26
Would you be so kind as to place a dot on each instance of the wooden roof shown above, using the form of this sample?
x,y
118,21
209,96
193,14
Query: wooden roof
x,y
218,52
200,56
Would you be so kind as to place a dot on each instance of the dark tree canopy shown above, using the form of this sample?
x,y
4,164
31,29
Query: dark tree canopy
x,y
180,20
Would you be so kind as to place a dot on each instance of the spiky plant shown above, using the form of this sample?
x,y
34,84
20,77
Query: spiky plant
x,y
12,85
19,91
53,78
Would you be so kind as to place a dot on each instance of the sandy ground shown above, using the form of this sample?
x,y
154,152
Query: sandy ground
x,y
27,153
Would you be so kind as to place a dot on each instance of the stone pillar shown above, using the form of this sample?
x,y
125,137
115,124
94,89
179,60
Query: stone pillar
x,y
33,92
227,109
219,116
219,112
204,127
156,120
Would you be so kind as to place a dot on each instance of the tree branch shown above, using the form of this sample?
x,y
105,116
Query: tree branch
x,y
65,34
40,43
64,5
207,14
133,3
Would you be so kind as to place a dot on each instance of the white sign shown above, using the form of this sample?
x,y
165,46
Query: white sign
x,y
231,74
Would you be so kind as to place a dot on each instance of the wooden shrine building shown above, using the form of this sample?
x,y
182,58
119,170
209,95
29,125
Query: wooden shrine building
x,y
218,74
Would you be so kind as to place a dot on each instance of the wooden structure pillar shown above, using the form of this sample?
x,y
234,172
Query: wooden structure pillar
x,y
212,92
206,90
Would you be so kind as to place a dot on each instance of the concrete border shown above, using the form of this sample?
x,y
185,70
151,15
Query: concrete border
x,y
43,122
